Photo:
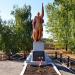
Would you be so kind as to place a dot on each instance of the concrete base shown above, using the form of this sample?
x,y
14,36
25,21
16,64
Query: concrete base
x,y
38,46
29,60
47,61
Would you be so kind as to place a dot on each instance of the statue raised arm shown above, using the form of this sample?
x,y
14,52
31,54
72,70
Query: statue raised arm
x,y
42,14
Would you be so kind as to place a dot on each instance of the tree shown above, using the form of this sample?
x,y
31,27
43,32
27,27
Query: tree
x,y
23,27
61,21
7,39
0,33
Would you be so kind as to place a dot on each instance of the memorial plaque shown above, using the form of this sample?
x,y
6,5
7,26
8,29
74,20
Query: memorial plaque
x,y
38,56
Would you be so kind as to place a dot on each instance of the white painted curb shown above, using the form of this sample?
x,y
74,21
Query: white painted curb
x,y
56,69
24,68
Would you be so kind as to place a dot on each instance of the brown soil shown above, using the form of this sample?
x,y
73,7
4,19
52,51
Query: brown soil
x,y
46,70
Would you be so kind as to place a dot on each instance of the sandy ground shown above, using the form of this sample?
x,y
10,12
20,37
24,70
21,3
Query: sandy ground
x,y
10,67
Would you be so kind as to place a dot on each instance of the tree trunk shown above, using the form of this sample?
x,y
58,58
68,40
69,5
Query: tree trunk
x,y
24,54
9,57
66,47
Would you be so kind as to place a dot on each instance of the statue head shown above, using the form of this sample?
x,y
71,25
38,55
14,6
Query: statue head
x,y
38,14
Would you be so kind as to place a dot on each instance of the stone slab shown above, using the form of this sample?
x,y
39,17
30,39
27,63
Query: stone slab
x,y
29,59
38,56
38,46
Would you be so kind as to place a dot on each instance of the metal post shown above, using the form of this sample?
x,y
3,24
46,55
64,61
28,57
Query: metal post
x,y
55,55
68,61
60,57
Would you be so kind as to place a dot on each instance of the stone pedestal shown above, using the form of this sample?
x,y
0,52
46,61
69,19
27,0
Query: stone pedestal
x,y
32,59
38,51
38,46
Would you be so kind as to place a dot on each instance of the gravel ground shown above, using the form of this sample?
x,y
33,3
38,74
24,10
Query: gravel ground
x,y
10,67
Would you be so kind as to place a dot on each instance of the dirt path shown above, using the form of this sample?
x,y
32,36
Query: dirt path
x,y
10,67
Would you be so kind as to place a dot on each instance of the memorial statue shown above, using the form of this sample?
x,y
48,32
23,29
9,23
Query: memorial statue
x,y
37,25
37,56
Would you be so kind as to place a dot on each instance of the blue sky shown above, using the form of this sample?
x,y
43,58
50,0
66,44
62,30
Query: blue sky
x,y
7,5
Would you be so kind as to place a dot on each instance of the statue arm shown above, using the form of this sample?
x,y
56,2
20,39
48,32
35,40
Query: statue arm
x,y
42,11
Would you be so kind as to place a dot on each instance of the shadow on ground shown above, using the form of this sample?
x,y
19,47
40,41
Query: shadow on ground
x,y
61,67
17,58
64,69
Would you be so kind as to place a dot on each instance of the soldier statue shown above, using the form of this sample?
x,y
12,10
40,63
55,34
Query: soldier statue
x,y
37,25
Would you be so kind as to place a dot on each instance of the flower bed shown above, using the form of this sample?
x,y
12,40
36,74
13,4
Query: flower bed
x,y
44,70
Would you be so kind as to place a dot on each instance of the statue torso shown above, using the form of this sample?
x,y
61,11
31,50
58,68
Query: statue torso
x,y
39,22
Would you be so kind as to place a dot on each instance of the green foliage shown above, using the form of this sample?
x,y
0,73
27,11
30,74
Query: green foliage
x,y
61,21
15,35
23,27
